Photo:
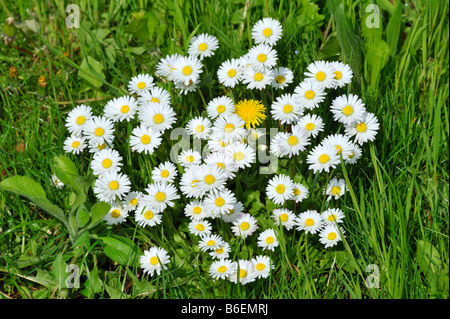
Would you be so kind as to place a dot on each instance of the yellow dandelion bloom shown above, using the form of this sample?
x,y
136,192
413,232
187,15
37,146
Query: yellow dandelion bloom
x,y
251,111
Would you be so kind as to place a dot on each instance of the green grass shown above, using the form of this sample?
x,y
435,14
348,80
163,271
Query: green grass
x,y
397,202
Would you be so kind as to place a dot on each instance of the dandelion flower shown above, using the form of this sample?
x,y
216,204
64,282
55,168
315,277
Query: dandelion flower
x,y
251,111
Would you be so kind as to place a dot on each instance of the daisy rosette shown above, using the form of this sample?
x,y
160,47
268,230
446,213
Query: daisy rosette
x,y
228,128
321,73
282,77
244,272
154,260
257,79
295,142
121,109
331,235
203,46
145,139
165,172
209,177
210,242
267,31
56,181
312,123
335,188
299,193
189,157
147,216
157,116
159,195
243,154
221,252
77,119
268,239
233,214
341,142
99,129
222,268
195,210
280,189
156,95
224,160
106,160
188,183
220,106
111,186
310,221
201,227
348,109
75,144
199,127
331,216
187,70
354,155
140,83
262,57
116,215
365,130
286,109
244,226
251,111
263,266
131,201
219,201
229,73
323,158
165,66
284,217
343,74
309,94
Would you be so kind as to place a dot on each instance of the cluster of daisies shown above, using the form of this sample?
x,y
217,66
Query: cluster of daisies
x,y
230,132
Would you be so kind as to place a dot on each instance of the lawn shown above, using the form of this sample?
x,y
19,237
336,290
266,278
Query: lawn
x,y
396,226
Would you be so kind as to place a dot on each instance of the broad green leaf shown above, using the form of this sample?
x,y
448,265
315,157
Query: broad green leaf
x,y
98,211
23,186
393,28
427,256
138,28
376,58
65,170
120,249
82,216
92,71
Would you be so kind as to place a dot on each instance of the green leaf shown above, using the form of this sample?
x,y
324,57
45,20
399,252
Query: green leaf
x,y
393,28
92,71
98,211
65,170
376,58
121,250
427,256
23,186
82,216
138,28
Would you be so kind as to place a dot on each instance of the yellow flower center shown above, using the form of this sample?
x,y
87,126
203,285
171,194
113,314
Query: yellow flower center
x,y
231,73
125,109
258,76
280,189
189,159
101,146
210,243
187,70
320,76
81,119
309,222
145,139
245,226
133,202
310,126
114,185
202,47
292,140
242,273
164,173
75,144
154,100
160,196
221,165
296,191
338,149
158,118
220,250
287,108
324,158
154,260
332,236
284,217
141,85
99,131
267,32
148,214
106,163
209,179
332,218
199,128
310,94
338,75
197,210
261,57
351,155
220,108
222,269
260,266
335,190
361,127
115,213
280,79
239,156
219,201
200,227
347,110
269,240
229,128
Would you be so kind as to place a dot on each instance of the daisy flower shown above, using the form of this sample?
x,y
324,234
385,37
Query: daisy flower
x,y
293,143
111,186
262,57
312,123
217,144
145,139
75,144
268,240
354,155
331,216
257,79
199,127
251,111
280,189
140,83
233,214
322,158
77,118
165,172
95,147
221,269
220,106
209,177
189,157
195,210
282,77
348,109
244,272
203,45
335,188
155,94
321,73
159,195
154,260
100,129
341,142
365,130
284,217
229,73
275,144
131,201
330,235
224,160
286,109
116,215
200,227
186,88
309,94
187,70
157,116
243,154
229,128
121,109
146,216
56,181
219,202
343,74
299,193
310,221
210,242
165,66
244,226
106,160
267,31
222,251
188,183
263,265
